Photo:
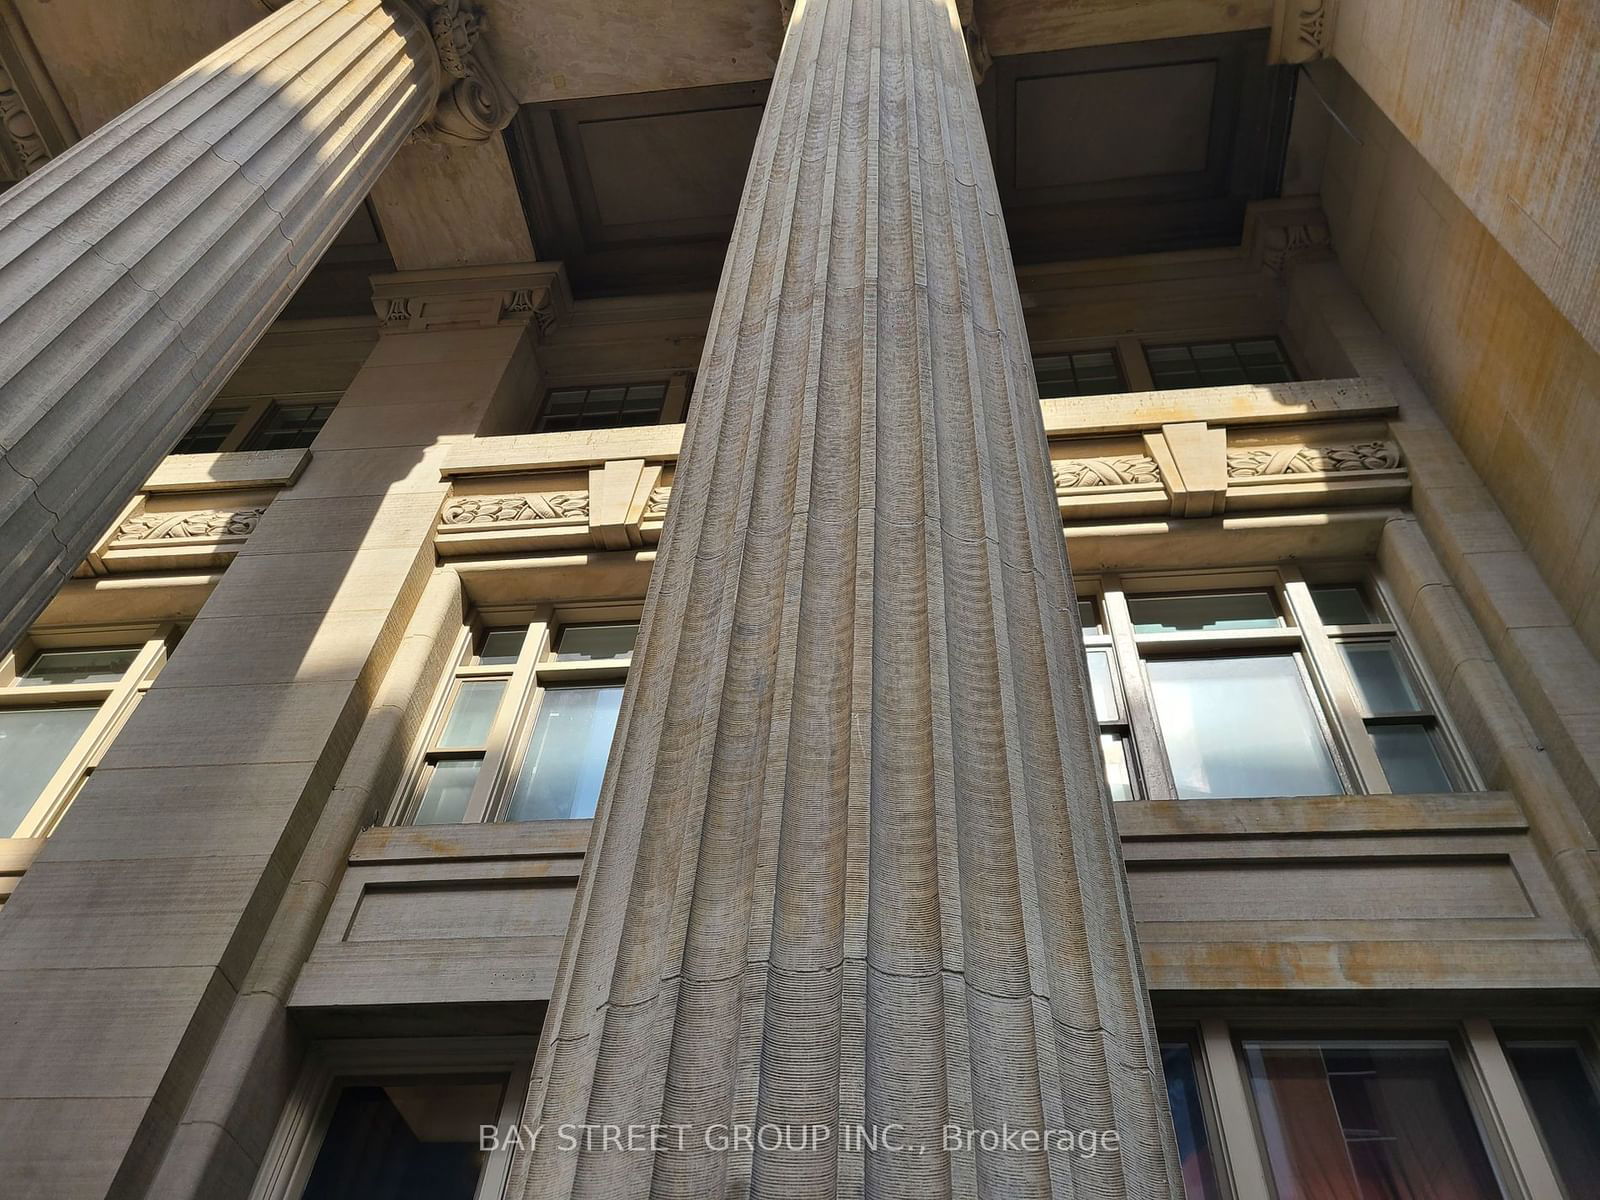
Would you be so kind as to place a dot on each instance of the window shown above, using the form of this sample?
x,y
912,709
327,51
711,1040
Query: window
x,y
289,427
263,423
1179,1062
1260,683
209,432
1367,1120
399,1120
1079,373
524,725
1116,740
1559,1082
1215,364
607,407
62,698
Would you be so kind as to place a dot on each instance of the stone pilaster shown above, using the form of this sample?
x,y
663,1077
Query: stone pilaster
x,y
855,864
137,269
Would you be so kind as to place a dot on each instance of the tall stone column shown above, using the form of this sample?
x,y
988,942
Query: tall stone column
x,y
855,864
138,268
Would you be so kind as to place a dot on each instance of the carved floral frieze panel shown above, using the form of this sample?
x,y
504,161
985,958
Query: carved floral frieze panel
x,y
1073,474
518,509
205,525
1259,461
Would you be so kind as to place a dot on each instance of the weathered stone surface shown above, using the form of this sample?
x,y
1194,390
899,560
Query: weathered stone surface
x,y
136,271
855,864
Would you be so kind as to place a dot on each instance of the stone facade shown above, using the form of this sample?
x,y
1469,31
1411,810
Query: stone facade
x,y
854,864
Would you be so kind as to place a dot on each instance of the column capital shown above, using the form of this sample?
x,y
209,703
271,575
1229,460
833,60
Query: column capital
x,y
474,101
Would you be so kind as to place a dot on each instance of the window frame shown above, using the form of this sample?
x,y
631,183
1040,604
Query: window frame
x,y
331,1066
1188,341
254,413
534,674
1112,347
674,404
1498,1105
1330,689
115,701
1485,1101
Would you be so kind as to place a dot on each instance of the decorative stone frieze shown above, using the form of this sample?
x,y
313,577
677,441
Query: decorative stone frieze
x,y
519,509
1312,460
1074,473
207,525
655,508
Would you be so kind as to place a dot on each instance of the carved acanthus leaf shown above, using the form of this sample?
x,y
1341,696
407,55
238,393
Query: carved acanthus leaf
x,y
1074,473
655,508
206,525
1313,460
506,510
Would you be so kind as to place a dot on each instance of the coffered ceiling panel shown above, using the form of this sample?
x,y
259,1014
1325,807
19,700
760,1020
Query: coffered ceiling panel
x,y
1109,150
637,192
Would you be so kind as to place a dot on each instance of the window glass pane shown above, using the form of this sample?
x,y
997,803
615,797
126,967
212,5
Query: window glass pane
x,y
444,800
472,713
54,668
1102,687
581,643
1381,682
1220,610
1189,1121
408,1141
566,760
1410,758
1089,617
1240,727
1561,1090
1367,1121
207,434
501,647
1119,767
290,427
33,743
1341,605
605,407
1214,364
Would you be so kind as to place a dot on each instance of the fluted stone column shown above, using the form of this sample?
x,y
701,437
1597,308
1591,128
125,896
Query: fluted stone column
x,y
138,268
855,864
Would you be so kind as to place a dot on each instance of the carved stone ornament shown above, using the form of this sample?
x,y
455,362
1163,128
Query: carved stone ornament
x,y
1284,244
475,102
655,508
209,525
1311,27
538,303
507,510
20,130
1075,473
1312,460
